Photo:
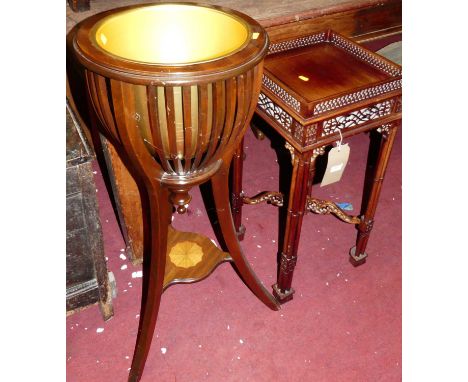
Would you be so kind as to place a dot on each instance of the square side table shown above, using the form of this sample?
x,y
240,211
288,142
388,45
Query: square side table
x,y
314,89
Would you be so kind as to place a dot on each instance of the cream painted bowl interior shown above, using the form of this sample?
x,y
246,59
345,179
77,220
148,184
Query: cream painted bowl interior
x,y
171,34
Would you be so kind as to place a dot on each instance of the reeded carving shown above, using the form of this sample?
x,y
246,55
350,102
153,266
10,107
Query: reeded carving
x,y
365,226
357,117
287,265
181,126
325,207
273,110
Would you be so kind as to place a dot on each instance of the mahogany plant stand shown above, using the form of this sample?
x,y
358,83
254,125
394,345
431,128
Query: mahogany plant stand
x,y
315,87
175,114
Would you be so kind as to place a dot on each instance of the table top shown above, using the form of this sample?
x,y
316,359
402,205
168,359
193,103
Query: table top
x,y
308,75
321,71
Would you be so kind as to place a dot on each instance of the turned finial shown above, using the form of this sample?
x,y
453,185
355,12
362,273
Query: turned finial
x,y
180,198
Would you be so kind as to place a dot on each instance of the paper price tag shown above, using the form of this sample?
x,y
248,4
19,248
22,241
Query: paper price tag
x,y
337,159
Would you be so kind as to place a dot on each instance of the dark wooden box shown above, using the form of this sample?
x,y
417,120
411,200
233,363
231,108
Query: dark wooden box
x,y
87,276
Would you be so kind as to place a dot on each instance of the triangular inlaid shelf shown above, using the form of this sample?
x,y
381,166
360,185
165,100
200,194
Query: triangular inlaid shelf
x,y
185,249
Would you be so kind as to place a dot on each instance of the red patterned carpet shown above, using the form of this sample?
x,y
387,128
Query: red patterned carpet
x,y
344,323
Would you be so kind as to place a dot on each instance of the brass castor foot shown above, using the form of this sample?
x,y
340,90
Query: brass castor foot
x,y
357,260
282,297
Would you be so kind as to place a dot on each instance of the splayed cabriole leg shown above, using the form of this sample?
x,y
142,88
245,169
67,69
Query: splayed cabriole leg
x,y
223,210
153,277
236,191
377,165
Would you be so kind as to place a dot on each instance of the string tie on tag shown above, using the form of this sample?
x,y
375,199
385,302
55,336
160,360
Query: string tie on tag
x,y
341,140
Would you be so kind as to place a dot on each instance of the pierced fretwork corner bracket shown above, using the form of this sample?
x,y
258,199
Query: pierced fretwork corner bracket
x,y
325,207
316,152
291,150
385,130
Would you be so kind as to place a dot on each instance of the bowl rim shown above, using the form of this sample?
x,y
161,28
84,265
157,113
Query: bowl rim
x,y
97,59
102,21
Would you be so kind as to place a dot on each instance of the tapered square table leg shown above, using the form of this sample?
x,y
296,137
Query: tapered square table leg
x,y
377,164
236,189
300,188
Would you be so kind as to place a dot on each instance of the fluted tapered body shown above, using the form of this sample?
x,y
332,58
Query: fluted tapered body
x,y
186,129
